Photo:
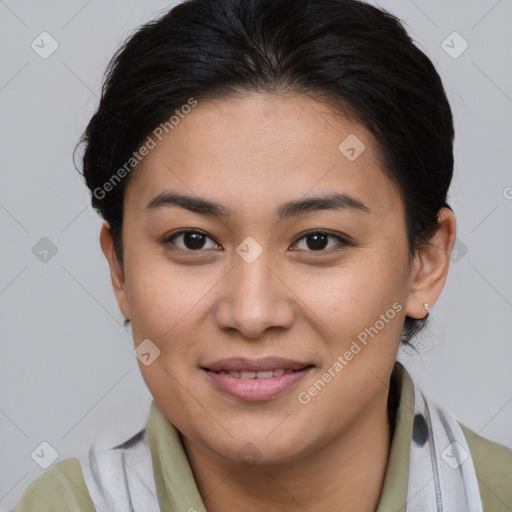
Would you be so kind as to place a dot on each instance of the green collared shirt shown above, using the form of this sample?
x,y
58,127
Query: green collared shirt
x,y
62,488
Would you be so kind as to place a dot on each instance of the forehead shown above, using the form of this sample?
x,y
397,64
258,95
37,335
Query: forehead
x,y
263,149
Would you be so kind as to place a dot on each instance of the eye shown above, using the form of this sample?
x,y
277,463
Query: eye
x,y
196,241
318,241
190,240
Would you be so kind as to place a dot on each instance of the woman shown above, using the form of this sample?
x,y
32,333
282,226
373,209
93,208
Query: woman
x,y
273,178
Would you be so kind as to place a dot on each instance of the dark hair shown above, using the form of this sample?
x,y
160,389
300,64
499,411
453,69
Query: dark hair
x,y
354,56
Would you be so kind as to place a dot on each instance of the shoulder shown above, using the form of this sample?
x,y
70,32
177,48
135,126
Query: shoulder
x,y
59,489
106,478
493,467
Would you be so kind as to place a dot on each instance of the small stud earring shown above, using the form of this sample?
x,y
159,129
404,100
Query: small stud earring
x,y
427,308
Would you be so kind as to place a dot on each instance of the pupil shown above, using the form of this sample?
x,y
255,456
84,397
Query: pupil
x,y
319,241
193,240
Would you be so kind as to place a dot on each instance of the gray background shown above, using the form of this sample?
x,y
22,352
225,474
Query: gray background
x,y
68,374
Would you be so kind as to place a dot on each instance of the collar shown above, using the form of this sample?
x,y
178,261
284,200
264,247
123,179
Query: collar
x,y
177,490
394,491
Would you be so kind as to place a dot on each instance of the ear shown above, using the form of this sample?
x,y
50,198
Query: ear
x,y
430,266
116,269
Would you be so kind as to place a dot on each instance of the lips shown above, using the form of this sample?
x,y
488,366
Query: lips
x,y
256,379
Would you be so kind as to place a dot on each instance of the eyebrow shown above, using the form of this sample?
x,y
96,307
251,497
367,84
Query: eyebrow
x,y
334,201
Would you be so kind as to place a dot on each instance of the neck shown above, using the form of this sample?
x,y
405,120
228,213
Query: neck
x,y
346,475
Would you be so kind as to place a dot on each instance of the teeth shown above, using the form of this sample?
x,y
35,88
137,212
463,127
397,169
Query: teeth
x,y
267,374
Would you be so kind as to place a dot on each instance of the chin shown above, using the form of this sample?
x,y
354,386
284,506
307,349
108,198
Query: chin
x,y
260,449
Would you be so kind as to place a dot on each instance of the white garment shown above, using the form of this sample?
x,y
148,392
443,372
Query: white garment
x,y
121,479
442,476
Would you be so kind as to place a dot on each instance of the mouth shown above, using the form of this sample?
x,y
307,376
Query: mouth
x,y
254,380
265,374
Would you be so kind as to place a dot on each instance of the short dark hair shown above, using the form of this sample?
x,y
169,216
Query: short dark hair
x,y
354,56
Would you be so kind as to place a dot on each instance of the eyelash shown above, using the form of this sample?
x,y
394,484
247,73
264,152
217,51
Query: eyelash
x,y
169,241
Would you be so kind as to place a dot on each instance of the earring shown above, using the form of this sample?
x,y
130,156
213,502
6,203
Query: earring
x,y
427,308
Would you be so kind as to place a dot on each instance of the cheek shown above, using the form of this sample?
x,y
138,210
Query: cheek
x,y
166,300
353,296
158,300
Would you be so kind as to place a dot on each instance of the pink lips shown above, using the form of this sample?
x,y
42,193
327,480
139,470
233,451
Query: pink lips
x,y
275,376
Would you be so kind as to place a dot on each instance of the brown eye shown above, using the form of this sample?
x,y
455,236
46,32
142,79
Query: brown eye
x,y
191,241
318,241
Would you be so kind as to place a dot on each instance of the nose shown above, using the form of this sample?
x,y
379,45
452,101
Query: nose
x,y
254,298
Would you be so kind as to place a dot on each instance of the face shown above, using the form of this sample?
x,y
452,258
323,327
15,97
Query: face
x,y
289,258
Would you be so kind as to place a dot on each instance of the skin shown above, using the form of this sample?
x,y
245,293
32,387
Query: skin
x,y
251,153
